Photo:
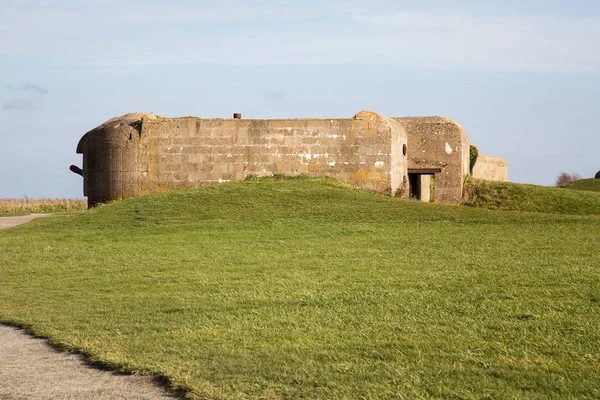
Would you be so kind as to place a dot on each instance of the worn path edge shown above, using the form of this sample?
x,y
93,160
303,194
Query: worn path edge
x,y
31,369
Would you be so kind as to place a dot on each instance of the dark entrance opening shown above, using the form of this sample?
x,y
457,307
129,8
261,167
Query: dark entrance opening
x,y
422,183
414,183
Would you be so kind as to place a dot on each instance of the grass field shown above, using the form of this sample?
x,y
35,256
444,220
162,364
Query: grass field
x,y
585,184
27,206
307,288
509,196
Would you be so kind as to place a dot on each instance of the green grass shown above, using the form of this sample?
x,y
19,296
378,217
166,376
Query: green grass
x,y
529,198
308,288
591,184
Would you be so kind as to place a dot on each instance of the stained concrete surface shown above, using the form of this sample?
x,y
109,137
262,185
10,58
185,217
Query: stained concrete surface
x,y
31,369
138,153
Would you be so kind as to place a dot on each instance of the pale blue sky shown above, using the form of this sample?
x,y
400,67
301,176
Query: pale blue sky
x,y
522,77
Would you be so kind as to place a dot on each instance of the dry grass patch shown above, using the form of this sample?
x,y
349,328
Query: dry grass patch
x,y
27,205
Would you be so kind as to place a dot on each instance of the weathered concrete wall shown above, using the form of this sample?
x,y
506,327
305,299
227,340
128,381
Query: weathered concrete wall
x,y
425,183
142,153
490,168
111,159
438,143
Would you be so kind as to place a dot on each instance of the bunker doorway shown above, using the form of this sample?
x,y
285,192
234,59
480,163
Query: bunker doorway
x,y
422,184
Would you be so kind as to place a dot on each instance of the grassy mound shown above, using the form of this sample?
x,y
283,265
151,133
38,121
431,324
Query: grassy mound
x,y
308,288
529,198
585,184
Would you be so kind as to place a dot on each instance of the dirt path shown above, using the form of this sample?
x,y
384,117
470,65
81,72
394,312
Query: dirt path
x,y
9,222
31,369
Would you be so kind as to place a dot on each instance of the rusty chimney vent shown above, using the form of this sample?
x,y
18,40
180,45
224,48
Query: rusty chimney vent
x,y
237,115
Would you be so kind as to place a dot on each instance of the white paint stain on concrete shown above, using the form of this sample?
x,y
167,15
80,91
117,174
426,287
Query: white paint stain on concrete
x,y
448,148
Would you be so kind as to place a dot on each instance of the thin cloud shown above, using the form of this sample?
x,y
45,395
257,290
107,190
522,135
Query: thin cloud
x,y
30,87
22,104
276,96
349,35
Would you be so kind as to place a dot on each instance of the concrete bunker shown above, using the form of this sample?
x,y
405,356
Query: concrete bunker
x,y
142,153
438,150
490,168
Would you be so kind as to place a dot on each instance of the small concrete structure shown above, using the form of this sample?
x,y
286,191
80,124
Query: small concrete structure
x,y
490,168
142,153
438,147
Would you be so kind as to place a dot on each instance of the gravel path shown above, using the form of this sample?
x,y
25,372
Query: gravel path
x,y
9,222
31,369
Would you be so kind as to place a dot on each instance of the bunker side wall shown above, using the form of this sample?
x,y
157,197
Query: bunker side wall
x,y
188,152
437,142
490,168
